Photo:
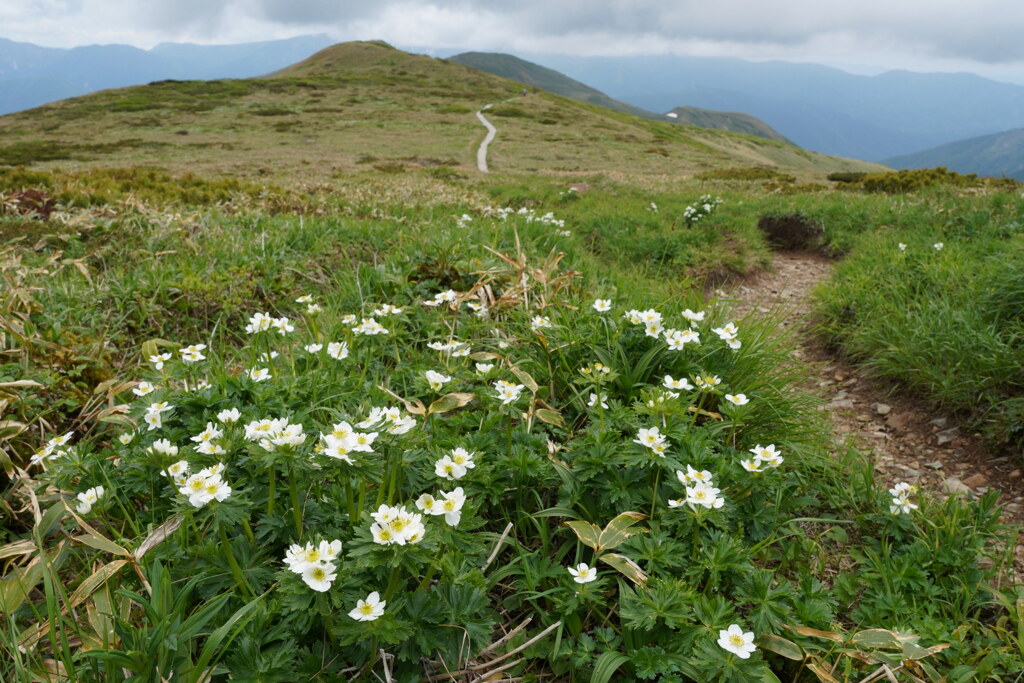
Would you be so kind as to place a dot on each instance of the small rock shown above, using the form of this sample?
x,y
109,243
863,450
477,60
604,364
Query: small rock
x,y
1000,459
1014,474
976,480
954,486
946,436
940,422
934,465
840,395
881,408
839,377
898,421
843,403
864,418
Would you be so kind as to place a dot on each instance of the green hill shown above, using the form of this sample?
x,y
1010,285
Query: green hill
x,y
529,73
999,154
364,105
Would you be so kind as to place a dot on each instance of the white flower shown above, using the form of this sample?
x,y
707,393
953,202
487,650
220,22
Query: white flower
x,y
153,421
582,573
337,350
767,455
938,246
736,641
484,368
259,374
707,382
737,399
126,438
319,576
681,383
540,322
144,388
901,506
649,438
902,246
193,353
159,359
229,416
451,506
313,309
705,495
369,327
507,391
369,609
259,322
693,317
752,465
203,487
313,348
396,526
594,398
653,328
447,468
88,498
387,309
602,305
305,299
692,476
677,339
436,380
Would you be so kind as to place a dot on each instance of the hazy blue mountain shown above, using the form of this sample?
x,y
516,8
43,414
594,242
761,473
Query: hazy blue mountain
x,y
510,66
31,75
1000,154
815,106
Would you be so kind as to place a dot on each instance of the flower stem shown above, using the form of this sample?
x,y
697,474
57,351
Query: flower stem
x,y
236,571
296,510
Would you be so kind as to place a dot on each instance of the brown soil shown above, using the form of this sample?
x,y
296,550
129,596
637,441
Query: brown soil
x,y
904,439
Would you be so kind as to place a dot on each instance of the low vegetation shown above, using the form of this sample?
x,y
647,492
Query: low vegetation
x,y
413,425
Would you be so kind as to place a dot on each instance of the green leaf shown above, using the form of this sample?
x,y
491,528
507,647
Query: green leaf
x,y
780,646
528,381
877,637
618,530
588,533
552,417
606,666
17,584
557,511
449,402
237,621
152,347
630,569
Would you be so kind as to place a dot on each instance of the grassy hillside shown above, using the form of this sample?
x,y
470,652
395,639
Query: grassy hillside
x,y
737,122
356,106
1000,154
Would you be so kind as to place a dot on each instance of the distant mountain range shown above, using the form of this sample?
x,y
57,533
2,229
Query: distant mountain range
x,y
31,75
1001,154
516,69
817,107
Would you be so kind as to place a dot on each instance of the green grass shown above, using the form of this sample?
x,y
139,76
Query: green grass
x,y
810,544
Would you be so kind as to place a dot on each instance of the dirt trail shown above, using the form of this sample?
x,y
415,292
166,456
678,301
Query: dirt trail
x,y
481,153
905,440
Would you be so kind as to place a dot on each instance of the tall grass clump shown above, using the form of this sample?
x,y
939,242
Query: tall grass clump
x,y
938,309
457,444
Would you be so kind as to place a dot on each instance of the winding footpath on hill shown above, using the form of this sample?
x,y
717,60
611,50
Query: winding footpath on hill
x,y
905,440
481,154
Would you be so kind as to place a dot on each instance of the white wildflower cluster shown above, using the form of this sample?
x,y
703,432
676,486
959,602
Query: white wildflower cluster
x,y
436,380
275,433
529,215
337,350
652,207
765,457
582,573
52,449
205,486
229,416
454,465
478,307
387,309
507,392
390,420
313,348
650,319
315,563
700,490
448,504
192,353
901,493
464,220
660,397
206,440
654,326
902,246
396,526
595,370
312,308
728,333
370,327
678,339
262,322
653,439
938,246
88,498
153,416
484,368
448,296
707,382
159,359
682,383
452,347
343,440
705,206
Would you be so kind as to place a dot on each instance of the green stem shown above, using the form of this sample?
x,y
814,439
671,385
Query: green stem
x,y
654,495
271,480
350,502
236,571
296,510
248,532
393,582
425,583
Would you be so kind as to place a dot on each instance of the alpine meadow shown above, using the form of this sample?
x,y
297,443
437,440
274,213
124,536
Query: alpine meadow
x,y
290,390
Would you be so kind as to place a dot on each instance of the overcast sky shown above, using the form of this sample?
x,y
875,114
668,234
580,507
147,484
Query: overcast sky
x,y
983,36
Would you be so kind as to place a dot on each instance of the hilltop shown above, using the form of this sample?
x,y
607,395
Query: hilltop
x,y
529,73
1000,154
362,105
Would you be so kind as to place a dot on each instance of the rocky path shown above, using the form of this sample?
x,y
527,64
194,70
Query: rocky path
x,y
904,439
